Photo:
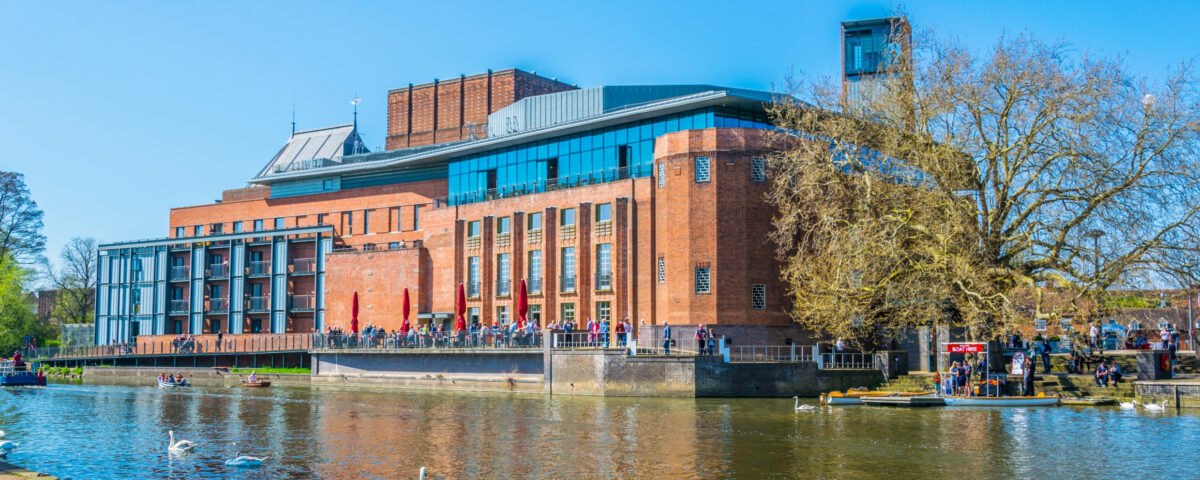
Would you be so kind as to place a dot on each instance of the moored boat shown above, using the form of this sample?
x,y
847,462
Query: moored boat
x,y
258,384
1041,400
12,375
855,396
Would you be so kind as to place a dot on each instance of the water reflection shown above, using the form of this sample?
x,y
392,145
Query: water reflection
x,y
87,432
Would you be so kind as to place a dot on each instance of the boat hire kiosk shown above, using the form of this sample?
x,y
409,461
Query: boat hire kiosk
x,y
992,387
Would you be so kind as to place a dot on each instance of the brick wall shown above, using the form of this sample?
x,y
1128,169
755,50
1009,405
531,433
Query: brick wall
x,y
440,111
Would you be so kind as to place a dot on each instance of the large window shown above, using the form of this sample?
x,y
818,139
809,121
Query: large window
x,y
502,314
473,229
568,312
758,297
535,271
703,284
503,225
604,212
473,277
349,223
473,315
604,311
366,222
180,232
604,277
502,275
279,223
535,314
535,221
702,170
237,227
568,216
568,270
758,169
198,230
258,224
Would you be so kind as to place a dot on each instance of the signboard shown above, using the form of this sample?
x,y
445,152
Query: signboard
x,y
964,347
1018,363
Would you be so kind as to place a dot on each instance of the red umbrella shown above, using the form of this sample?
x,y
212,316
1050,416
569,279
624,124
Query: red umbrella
x,y
462,308
405,310
522,305
354,314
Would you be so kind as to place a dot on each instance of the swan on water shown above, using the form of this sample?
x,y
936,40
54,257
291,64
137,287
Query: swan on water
x,y
1,433
245,461
1130,405
803,408
182,446
1161,407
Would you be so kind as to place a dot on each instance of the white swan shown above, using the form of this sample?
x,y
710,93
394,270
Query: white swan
x,y
1,433
1161,407
182,446
1130,405
245,461
803,408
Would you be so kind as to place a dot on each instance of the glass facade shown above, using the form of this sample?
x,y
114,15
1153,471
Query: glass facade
x,y
594,156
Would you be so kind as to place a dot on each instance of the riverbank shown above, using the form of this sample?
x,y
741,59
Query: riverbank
x,y
200,377
9,471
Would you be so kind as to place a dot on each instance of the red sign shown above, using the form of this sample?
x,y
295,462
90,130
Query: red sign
x,y
964,347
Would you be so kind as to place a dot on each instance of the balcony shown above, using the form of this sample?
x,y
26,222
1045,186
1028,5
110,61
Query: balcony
x,y
502,289
180,273
604,281
216,271
304,266
217,305
473,290
534,285
302,303
258,304
258,269
178,307
566,283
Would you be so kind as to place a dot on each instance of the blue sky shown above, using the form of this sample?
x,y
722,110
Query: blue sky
x,y
118,111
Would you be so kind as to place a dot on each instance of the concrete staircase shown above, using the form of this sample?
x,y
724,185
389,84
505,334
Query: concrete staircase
x,y
913,382
1080,386
1128,363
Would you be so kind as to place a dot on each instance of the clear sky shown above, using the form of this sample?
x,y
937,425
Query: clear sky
x,y
116,112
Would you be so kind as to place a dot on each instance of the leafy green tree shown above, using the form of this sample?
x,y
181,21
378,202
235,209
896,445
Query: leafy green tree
x,y
17,318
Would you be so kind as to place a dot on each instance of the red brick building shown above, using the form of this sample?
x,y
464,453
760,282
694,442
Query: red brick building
x,y
638,202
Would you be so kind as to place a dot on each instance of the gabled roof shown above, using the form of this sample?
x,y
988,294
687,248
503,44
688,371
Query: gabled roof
x,y
317,147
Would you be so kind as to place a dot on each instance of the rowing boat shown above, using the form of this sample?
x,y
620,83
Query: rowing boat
x,y
258,384
855,396
168,384
1041,400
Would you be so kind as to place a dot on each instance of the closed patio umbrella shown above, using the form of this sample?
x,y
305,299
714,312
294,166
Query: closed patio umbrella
x,y
354,314
405,309
461,309
522,305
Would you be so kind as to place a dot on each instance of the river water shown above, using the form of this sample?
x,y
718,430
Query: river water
x,y
101,432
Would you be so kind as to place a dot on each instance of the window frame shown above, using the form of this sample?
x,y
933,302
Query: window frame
x,y
707,271
707,170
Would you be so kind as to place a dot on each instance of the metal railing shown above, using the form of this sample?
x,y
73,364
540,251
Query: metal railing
x,y
604,281
678,346
220,270
502,289
549,185
302,302
566,283
178,306
584,339
304,265
258,268
183,345
258,304
847,361
770,353
431,339
217,305
180,273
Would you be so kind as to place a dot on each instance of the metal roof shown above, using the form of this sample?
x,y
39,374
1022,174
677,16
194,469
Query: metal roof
x,y
442,153
215,238
319,146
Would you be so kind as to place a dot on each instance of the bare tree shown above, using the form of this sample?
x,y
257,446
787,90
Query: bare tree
x,y
75,281
967,178
20,221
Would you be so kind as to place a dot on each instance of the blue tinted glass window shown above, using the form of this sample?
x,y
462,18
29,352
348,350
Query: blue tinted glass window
x,y
660,128
673,123
620,137
685,122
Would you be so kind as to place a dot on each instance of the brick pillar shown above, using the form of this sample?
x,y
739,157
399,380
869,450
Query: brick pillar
x,y
583,263
487,267
460,257
550,264
623,274
516,262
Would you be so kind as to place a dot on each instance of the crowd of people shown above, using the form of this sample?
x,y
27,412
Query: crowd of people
x,y
168,378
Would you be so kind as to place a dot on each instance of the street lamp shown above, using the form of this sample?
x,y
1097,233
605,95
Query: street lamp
x,y
1095,236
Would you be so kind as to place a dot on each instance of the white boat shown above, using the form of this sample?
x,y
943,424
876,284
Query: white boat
x,y
167,384
1038,401
855,396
